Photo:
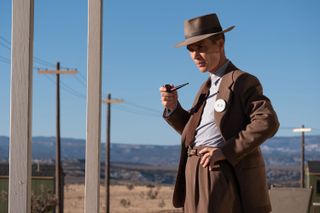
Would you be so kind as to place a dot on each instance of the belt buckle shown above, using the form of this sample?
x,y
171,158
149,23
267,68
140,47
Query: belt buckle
x,y
191,151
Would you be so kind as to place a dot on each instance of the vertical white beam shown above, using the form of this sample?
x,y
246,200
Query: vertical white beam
x,y
21,107
92,179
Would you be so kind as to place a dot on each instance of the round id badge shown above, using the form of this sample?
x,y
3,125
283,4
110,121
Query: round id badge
x,y
220,105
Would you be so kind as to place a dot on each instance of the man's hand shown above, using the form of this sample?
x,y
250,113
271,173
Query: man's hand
x,y
168,99
211,155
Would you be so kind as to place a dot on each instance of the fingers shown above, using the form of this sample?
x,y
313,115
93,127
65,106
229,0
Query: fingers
x,y
163,89
208,156
169,99
205,160
205,150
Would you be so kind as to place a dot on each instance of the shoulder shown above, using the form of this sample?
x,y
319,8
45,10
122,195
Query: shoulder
x,y
234,74
235,78
242,80
240,76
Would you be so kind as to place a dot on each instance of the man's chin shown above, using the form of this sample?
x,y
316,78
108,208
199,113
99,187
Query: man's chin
x,y
203,70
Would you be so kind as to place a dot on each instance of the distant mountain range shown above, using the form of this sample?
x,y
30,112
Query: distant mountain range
x,y
277,150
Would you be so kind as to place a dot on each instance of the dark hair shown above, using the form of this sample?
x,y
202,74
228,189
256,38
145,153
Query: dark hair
x,y
215,38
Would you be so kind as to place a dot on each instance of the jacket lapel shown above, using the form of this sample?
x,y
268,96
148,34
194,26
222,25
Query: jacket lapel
x,y
225,93
196,112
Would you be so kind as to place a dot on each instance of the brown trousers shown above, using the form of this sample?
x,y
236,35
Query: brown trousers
x,y
210,190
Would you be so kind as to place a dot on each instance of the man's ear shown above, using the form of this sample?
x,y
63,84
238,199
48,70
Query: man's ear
x,y
220,42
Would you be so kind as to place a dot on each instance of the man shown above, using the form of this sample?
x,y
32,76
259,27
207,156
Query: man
x,y
221,167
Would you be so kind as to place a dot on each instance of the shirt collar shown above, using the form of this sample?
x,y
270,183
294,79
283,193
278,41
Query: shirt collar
x,y
215,77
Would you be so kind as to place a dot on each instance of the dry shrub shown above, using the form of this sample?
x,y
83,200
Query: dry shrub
x,y
3,196
125,203
162,203
141,195
43,202
153,192
150,186
130,186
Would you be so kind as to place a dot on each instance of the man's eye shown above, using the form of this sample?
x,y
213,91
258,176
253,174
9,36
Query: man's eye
x,y
201,48
189,48
198,48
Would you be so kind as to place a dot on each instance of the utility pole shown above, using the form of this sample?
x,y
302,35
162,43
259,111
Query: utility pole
x,y
302,130
108,101
58,185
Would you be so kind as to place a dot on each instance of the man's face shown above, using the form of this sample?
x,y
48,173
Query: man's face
x,y
207,54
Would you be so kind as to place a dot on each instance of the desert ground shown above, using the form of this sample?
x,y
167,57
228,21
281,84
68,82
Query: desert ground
x,y
124,199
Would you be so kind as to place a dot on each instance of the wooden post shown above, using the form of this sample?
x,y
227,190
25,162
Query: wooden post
x,y
59,207
92,177
21,107
108,101
302,130
107,160
58,179
302,158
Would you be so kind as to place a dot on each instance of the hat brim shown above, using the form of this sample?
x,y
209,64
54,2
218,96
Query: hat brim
x,y
201,37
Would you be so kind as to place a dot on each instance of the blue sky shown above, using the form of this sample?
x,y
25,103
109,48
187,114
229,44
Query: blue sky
x,y
278,41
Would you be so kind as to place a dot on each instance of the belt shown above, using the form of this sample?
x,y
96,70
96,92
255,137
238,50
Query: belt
x,y
195,152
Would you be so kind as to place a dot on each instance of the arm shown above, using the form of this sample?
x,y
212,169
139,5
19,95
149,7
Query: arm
x,y
173,113
178,118
262,119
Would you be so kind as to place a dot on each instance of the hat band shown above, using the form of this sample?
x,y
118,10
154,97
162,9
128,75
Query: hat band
x,y
202,32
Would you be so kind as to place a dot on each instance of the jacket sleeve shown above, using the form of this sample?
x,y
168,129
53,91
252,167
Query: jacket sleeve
x,y
178,118
262,119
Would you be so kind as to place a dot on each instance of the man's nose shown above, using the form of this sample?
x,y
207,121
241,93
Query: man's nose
x,y
196,55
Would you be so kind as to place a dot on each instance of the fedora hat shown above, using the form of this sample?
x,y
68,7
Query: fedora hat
x,y
202,27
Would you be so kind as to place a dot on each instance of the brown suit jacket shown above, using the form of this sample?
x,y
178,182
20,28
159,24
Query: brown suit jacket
x,y
247,121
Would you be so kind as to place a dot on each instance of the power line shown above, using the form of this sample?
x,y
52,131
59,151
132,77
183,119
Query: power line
x,y
8,61
142,107
75,93
5,60
40,61
36,60
78,94
145,111
140,113
66,88
43,62
7,44
83,83
36,68
5,40
82,77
